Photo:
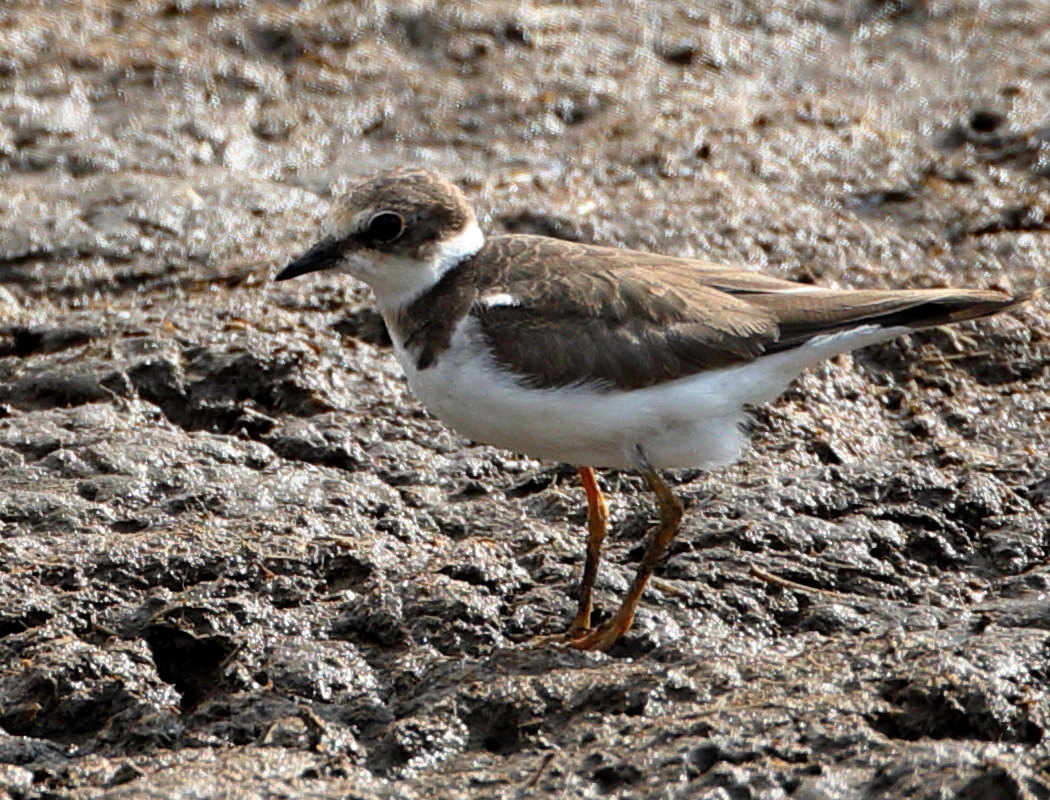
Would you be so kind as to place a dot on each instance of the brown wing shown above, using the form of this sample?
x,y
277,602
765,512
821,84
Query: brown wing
x,y
592,315
628,320
801,317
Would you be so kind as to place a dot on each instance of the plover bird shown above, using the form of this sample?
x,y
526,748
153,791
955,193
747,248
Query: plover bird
x,y
595,356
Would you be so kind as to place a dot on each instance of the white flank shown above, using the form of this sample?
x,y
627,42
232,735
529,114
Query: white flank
x,y
687,423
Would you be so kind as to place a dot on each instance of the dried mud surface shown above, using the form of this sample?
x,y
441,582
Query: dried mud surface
x,y
237,559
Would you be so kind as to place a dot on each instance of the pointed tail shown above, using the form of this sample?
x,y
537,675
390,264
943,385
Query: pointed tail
x,y
802,316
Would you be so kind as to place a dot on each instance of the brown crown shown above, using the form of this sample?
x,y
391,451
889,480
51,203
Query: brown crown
x,y
433,208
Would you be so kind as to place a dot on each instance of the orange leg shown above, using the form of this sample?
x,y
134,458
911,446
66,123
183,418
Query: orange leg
x,y
671,510
597,524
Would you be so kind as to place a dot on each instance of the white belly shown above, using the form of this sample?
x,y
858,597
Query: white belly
x,y
692,422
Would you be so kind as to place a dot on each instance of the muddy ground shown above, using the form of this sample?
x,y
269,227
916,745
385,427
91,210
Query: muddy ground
x,y
239,560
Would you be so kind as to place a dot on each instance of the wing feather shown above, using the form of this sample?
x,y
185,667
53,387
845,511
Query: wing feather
x,y
623,319
593,316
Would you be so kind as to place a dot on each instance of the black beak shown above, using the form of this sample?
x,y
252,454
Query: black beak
x,y
322,255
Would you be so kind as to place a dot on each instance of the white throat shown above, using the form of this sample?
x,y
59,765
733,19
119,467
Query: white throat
x,y
398,281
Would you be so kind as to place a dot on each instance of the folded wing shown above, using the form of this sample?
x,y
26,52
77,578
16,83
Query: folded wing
x,y
628,320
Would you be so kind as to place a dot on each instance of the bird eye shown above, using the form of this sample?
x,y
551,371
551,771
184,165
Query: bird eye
x,y
385,227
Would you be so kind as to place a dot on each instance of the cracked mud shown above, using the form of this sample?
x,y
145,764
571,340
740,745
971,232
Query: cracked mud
x,y
238,559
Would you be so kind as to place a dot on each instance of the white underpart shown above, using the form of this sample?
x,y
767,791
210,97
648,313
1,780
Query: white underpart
x,y
398,281
691,422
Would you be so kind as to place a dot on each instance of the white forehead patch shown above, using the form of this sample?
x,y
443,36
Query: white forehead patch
x,y
337,226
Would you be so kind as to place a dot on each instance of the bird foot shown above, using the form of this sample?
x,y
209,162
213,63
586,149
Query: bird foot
x,y
603,637
584,637
573,633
